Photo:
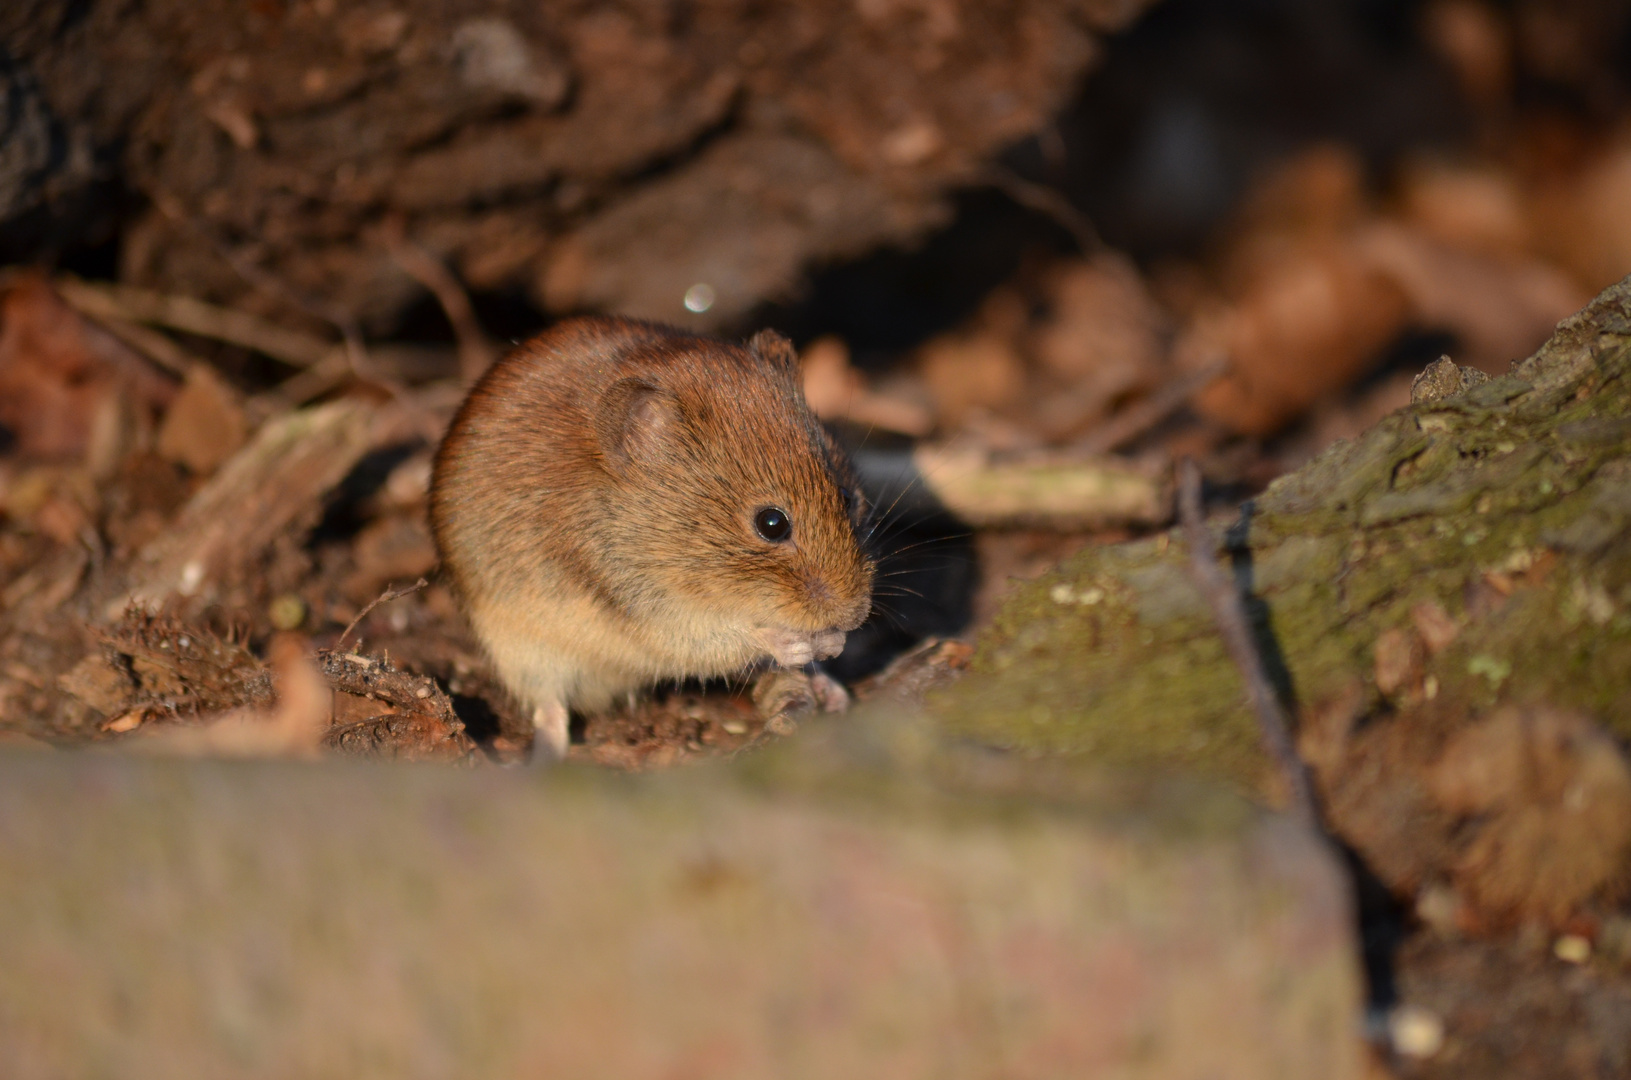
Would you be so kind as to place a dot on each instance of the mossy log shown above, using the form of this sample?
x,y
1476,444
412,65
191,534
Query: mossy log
x,y
1469,550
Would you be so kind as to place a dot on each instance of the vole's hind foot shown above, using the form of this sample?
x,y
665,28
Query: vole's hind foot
x,y
551,733
782,696
829,692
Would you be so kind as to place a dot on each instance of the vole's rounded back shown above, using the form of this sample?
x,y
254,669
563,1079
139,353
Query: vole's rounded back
x,y
618,503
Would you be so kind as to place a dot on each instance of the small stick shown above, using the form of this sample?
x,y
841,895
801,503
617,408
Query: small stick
x,y
383,598
1046,201
184,313
1135,420
158,348
1223,596
476,351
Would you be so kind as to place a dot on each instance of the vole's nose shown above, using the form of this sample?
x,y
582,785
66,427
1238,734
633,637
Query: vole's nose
x,y
844,612
856,615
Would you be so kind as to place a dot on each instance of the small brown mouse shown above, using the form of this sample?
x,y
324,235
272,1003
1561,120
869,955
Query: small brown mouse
x,y
619,503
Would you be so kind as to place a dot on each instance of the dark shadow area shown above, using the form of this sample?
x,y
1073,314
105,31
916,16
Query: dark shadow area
x,y
1237,542
1380,919
1200,95
344,513
927,572
1381,925
481,723
888,302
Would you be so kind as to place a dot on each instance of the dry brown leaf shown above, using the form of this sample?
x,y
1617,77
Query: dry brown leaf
x,y
1500,310
64,382
1550,796
982,370
394,548
205,424
1583,220
1103,339
1475,208
1309,318
836,391
294,727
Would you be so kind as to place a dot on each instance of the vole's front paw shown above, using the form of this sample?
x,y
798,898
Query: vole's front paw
x,y
795,648
827,643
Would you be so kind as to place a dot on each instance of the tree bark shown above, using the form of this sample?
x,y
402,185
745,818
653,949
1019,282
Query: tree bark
x,y
590,156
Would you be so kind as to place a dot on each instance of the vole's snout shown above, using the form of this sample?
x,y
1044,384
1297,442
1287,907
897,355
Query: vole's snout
x,y
843,608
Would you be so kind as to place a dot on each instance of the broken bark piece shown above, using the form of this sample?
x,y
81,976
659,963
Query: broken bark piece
x,y
1049,491
276,481
1443,378
1548,795
289,727
185,670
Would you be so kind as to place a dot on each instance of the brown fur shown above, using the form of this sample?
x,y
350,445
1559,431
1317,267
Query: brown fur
x,y
593,502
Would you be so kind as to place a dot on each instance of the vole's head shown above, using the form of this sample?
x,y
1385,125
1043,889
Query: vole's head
x,y
727,499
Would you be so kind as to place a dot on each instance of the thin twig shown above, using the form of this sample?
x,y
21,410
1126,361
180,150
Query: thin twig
x,y
308,385
159,348
1224,597
476,349
256,276
383,598
192,316
1046,201
1137,419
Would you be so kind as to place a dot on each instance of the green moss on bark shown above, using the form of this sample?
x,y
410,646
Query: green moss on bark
x,y
1507,506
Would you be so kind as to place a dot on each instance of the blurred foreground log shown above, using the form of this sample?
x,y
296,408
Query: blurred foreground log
x,y
853,903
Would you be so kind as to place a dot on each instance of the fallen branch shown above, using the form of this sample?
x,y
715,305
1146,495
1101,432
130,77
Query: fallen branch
x,y
157,347
1043,491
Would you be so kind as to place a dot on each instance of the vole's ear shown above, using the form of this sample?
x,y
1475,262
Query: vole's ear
x,y
635,421
776,351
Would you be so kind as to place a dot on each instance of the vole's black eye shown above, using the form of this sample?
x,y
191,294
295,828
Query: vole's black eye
x,y
772,523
